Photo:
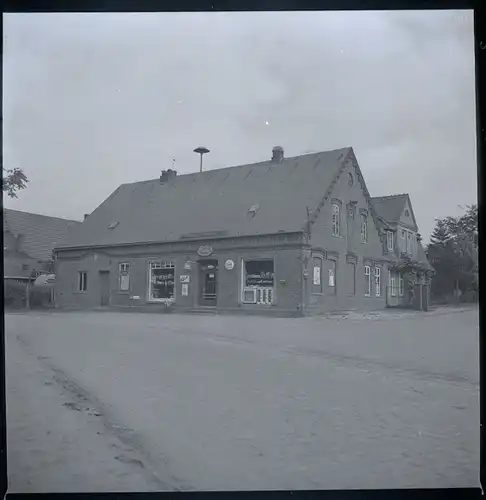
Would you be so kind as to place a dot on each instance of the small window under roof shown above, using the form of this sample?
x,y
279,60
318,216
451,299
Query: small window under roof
x,y
113,225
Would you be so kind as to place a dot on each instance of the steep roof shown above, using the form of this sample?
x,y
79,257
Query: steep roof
x,y
390,207
261,198
41,232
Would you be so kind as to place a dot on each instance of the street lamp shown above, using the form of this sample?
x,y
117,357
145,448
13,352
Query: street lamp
x,y
202,151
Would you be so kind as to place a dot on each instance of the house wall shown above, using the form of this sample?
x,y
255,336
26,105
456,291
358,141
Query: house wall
x,y
345,250
285,251
407,220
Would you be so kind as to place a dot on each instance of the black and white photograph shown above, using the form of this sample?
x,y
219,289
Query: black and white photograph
x,y
240,251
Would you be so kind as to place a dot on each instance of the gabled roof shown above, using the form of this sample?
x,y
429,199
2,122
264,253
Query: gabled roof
x,y
390,207
40,232
261,198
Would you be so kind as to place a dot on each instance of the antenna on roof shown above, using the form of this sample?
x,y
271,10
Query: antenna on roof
x,y
202,151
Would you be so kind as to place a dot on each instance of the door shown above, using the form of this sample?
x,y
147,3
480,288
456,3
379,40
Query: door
x,y
105,288
208,282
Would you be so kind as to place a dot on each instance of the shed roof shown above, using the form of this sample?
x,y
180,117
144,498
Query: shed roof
x,y
41,232
260,198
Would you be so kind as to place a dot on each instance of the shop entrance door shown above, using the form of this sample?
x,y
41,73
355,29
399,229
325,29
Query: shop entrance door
x,y
208,282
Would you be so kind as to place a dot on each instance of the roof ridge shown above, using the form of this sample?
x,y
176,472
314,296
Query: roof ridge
x,y
6,210
242,165
389,196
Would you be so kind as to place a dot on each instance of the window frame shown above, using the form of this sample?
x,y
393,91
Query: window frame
x,y
392,281
258,291
317,263
351,265
123,270
390,240
336,218
367,272
401,285
377,276
160,264
82,281
364,227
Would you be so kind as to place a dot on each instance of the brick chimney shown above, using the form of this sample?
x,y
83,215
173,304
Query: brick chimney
x,y
166,175
277,154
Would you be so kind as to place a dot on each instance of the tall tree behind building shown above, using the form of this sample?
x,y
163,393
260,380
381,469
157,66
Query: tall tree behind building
x,y
453,252
13,181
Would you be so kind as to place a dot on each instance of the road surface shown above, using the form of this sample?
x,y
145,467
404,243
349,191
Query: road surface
x,y
146,402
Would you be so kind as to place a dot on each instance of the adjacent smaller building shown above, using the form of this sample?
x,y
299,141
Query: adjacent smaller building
x,y
28,243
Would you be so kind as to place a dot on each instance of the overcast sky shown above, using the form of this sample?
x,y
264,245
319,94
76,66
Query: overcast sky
x,y
91,101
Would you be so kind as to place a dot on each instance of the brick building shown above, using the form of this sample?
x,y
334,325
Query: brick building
x,y
288,236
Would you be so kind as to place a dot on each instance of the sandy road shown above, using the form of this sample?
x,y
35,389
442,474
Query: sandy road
x,y
118,402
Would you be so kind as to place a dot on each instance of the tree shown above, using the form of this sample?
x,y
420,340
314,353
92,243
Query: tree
x,y
453,252
13,181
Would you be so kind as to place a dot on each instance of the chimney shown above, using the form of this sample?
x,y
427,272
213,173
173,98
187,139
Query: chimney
x,y
86,216
277,154
167,174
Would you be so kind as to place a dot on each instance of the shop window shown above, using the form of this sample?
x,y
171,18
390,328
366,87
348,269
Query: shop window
x,y
162,281
82,281
258,282
124,272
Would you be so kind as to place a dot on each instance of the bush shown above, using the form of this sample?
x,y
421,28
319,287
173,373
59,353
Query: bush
x,y
15,294
40,297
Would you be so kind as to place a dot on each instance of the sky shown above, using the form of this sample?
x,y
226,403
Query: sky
x,y
94,100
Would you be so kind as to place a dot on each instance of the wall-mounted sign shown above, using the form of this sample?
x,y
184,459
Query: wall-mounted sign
x,y
306,273
184,278
204,251
185,290
229,265
187,266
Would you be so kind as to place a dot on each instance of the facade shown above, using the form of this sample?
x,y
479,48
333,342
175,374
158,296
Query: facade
x,y
288,236
28,243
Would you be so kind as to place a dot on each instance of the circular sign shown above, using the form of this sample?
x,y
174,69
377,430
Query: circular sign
x,y
229,264
204,251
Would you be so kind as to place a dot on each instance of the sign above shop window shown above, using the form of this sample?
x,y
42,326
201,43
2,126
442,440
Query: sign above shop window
x,y
204,251
184,278
229,265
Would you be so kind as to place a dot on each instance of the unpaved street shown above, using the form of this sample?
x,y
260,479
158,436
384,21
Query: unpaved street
x,y
133,402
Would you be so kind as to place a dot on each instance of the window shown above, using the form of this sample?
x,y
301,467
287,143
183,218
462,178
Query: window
x,y
82,281
364,228
390,240
377,281
316,278
392,283
350,179
335,219
367,272
124,269
331,277
162,280
401,286
258,281
402,243
25,267
351,278
407,213
409,242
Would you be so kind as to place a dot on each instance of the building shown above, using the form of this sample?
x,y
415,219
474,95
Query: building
x,y
28,243
288,236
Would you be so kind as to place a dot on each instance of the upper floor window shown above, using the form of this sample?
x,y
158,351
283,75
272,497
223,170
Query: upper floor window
x,y
409,242
390,243
336,229
364,228
407,213
350,179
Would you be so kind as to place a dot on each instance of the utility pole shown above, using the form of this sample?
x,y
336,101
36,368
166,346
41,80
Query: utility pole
x,y
201,151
